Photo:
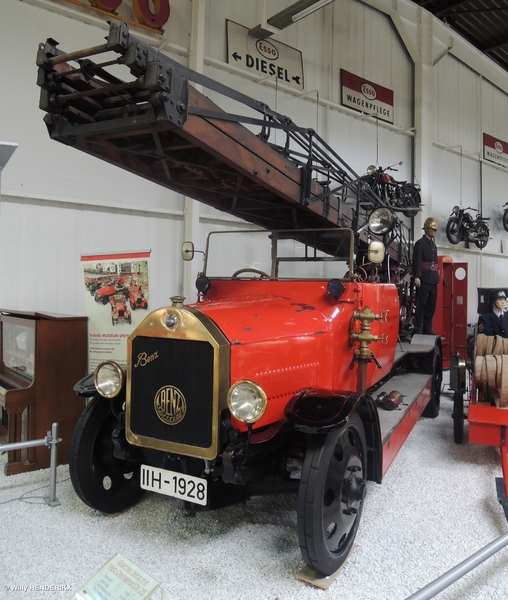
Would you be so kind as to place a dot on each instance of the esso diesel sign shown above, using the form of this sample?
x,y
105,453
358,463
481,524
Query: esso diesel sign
x,y
151,13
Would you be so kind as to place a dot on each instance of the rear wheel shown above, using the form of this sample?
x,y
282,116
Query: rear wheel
x,y
454,230
330,497
102,481
505,220
458,417
410,200
432,408
483,236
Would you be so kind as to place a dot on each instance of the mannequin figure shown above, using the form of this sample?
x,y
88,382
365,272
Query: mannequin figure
x,y
426,274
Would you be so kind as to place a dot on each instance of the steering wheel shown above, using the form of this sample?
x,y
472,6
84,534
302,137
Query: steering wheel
x,y
250,270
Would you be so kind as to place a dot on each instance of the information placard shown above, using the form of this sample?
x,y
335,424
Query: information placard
x,y
118,579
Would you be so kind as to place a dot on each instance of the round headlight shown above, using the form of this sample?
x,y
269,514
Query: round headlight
x,y
456,209
371,169
108,379
247,401
381,220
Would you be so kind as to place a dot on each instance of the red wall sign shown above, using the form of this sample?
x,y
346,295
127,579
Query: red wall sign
x,y
153,14
366,96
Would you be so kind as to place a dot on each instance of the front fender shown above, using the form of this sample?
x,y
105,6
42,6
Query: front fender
x,y
319,412
85,388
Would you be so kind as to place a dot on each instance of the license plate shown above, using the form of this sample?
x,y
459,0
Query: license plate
x,y
170,483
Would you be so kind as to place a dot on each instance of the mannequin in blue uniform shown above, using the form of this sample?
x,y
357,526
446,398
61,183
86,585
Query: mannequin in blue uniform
x,y
495,322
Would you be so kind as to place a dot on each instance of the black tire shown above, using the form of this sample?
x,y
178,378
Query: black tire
x,y
505,220
432,409
458,417
410,200
102,481
484,232
330,497
454,231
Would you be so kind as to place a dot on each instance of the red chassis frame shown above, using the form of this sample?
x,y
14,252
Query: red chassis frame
x,y
488,426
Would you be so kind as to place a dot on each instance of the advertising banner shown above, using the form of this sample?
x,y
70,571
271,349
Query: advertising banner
x,y
117,298
495,150
366,97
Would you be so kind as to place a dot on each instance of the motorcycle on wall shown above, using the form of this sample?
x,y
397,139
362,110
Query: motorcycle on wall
x,y
462,227
398,195
505,216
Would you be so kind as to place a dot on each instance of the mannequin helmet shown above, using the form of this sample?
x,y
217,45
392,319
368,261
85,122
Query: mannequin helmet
x,y
430,223
495,295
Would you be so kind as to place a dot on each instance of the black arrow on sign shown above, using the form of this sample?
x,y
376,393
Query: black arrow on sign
x,y
236,56
297,79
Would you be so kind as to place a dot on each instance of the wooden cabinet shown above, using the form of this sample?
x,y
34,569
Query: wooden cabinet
x,y
42,356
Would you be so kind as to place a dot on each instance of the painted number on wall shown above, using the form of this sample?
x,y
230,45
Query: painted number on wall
x,y
154,13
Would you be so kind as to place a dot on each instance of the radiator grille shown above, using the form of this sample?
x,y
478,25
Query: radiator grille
x,y
186,365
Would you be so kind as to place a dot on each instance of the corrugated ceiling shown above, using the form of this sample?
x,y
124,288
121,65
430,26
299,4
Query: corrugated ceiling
x,y
484,23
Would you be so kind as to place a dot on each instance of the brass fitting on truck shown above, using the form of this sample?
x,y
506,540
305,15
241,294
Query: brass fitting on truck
x,y
364,354
364,336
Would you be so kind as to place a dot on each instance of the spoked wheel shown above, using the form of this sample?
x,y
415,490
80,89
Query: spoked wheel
x,y
483,236
505,220
102,481
458,417
432,408
454,230
330,498
411,200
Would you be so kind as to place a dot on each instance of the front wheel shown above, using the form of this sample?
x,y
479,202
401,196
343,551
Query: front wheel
x,y
454,231
102,481
330,497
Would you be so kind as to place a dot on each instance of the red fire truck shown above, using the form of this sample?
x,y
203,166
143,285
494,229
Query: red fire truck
x,y
295,370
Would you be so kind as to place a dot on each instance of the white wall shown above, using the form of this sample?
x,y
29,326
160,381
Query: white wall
x,y
58,203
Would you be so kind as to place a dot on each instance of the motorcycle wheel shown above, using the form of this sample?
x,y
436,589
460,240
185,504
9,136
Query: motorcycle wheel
x,y
505,220
410,200
454,231
484,232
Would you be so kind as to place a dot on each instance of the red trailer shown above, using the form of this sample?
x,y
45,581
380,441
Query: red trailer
x,y
482,378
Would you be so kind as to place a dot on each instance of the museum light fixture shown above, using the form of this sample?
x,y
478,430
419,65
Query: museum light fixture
x,y
288,16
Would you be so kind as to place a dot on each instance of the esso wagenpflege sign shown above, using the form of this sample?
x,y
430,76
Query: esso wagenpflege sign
x,y
366,96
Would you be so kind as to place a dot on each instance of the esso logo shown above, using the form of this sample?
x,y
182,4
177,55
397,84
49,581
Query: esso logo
x,y
499,147
267,49
368,91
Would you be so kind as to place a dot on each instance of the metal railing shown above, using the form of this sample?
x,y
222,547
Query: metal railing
x,y
439,584
51,440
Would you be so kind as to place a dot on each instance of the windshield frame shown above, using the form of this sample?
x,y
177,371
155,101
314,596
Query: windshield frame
x,y
302,236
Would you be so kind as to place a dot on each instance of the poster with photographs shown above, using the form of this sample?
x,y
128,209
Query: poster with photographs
x,y
117,299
